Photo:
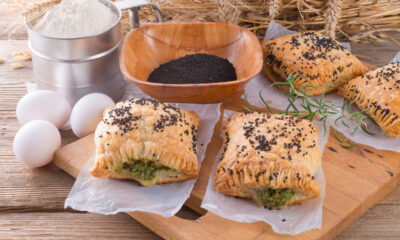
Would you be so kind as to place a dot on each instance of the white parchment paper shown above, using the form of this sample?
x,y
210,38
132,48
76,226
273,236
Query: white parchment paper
x,y
279,101
110,196
290,220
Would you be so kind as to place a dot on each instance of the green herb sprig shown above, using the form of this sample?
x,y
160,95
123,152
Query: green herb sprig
x,y
318,107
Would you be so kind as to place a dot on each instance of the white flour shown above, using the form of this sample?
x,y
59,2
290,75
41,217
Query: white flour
x,y
76,18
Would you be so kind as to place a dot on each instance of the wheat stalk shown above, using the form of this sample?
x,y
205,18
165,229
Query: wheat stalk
x,y
227,12
332,15
273,8
345,18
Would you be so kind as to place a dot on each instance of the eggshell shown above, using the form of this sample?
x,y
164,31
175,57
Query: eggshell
x,y
36,142
88,112
44,105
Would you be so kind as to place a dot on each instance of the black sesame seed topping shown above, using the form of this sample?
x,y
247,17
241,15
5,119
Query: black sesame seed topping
x,y
309,49
125,117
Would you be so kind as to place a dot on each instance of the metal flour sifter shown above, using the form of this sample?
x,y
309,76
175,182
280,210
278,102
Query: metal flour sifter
x,y
79,66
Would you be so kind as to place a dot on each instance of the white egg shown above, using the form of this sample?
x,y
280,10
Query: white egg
x,y
36,142
88,112
44,105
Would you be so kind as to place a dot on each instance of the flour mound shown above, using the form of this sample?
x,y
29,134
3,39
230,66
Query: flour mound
x,y
76,18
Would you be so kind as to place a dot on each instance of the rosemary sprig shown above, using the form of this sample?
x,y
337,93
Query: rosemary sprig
x,y
250,108
343,141
318,107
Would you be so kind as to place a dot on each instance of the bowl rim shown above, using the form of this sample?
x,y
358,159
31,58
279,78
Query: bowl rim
x,y
125,72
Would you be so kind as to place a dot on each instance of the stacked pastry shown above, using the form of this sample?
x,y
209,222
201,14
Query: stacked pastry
x,y
326,64
271,159
147,141
378,93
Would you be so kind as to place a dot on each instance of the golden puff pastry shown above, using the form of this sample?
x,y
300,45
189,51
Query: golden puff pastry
x,y
378,93
147,141
271,159
322,61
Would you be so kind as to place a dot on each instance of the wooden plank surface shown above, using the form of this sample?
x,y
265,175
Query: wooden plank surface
x,y
356,180
31,201
65,225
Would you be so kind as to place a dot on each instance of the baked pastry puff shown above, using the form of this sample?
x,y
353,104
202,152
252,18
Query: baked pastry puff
x,y
147,141
271,159
322,61
378,93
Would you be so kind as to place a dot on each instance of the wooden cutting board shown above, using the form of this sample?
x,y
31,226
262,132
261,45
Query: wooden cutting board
x,y
356,180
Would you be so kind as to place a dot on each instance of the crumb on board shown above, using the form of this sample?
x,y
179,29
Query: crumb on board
x,y
17,65
23,55
2,60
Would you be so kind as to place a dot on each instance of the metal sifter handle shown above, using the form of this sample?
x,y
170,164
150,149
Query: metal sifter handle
x,y
133,7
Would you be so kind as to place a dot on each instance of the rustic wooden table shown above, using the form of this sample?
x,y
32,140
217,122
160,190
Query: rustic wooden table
x,y
32,200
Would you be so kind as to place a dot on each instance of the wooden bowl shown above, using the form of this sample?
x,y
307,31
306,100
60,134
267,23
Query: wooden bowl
x,y
145,48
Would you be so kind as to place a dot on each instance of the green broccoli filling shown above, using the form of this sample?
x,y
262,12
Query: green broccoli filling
x,y
275,198
143,170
